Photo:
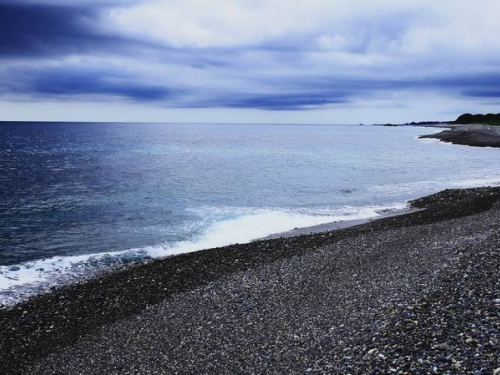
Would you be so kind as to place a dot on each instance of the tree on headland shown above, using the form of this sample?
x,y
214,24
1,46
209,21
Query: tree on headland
x,y
490,119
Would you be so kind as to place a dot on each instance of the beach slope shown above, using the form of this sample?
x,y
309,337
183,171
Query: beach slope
x,y
413,292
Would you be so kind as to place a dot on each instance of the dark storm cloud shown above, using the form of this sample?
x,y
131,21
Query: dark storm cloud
x,y
481,85
67,82
278,102
41,29
36,30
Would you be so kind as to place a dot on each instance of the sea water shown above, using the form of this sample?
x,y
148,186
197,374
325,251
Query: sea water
x,y
78,198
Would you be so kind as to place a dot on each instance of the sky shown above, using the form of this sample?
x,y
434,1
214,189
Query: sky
x,y
241,61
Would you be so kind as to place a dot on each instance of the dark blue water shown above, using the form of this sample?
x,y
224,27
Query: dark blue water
x,y
70,191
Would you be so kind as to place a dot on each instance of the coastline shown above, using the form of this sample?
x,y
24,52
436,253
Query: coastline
x,y
477,135
65,323
337,225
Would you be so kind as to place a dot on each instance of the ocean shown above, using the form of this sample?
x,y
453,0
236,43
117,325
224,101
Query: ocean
x,y
79,199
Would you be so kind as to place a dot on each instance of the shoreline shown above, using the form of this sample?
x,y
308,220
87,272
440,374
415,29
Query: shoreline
x,y
55,322
476,135
338,225
38,290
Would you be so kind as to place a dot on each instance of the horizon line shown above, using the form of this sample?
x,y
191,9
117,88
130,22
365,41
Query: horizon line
x,y
183,123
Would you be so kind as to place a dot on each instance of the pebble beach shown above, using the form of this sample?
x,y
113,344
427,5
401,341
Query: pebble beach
x,y
411,294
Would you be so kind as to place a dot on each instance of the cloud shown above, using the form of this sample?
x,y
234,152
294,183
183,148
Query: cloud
x,y
67,81
264,54
27,30
72,3
200,24
481,85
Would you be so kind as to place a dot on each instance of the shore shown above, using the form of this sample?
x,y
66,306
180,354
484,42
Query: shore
x,y
411,293
337,225
470,135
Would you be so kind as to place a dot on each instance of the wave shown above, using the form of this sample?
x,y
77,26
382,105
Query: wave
x,y
19,282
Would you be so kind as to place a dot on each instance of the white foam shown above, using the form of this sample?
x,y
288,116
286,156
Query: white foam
x,y
21,281
251,227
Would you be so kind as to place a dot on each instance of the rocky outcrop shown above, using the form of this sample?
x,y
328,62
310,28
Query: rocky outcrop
x,y
478,136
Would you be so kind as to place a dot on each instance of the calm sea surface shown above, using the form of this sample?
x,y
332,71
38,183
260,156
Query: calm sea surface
x,y
78,198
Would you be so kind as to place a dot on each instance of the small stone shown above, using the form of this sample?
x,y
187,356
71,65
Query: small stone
x,y
442,358
497,371
372,351
470,341
443,346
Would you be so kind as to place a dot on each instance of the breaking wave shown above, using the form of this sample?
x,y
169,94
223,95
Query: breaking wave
x,y
18,282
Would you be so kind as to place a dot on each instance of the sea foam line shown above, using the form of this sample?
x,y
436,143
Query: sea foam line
x,y
19,282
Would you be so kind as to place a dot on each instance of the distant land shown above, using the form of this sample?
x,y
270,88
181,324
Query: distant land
x,y
467,130
465,119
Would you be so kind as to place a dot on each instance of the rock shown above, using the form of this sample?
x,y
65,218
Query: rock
x,y
442,358
497,371
443,346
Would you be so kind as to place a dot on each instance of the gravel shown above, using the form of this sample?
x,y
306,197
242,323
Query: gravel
x,y
417,293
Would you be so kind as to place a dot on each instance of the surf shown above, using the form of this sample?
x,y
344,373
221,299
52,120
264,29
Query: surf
x,y
21,281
